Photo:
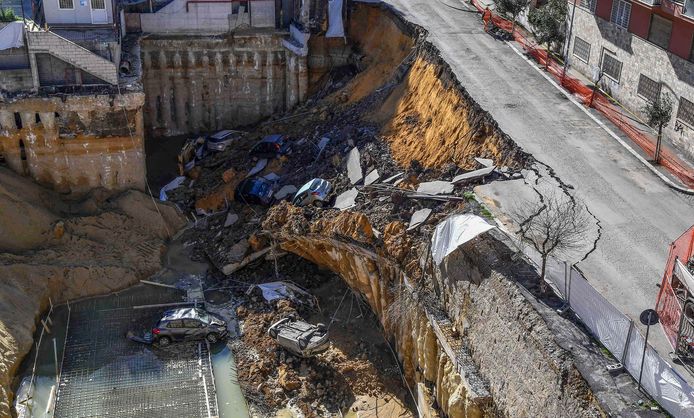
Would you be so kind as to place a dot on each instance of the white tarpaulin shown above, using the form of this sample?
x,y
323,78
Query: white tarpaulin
x,y
335,28
12,36
280,290
684,275
455,231
172,185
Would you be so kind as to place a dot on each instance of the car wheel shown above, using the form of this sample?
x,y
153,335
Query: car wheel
x,y
212,337
163,341
318,203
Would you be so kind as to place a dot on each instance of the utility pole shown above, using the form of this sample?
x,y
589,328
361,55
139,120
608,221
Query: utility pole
x,y
568,41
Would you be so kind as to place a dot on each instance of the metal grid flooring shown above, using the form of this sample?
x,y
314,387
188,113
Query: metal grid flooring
x,y
106,375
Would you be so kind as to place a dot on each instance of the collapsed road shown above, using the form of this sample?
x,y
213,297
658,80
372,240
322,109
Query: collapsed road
x,y
402,145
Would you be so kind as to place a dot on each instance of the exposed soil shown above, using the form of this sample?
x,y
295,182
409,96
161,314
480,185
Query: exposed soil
x,y
357,371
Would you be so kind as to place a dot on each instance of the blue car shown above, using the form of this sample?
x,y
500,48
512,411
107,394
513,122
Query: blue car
x,y
255,191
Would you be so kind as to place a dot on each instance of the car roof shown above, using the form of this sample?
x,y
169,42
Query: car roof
x,y
273,138
183,313
221,134
310,185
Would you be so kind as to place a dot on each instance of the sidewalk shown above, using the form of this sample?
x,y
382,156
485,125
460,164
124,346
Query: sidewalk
x,y
674,167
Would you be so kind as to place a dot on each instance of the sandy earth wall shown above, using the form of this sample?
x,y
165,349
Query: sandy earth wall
x,y
76,144
195,85
67,250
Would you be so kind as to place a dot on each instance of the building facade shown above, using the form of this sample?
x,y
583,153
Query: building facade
x,y
639,50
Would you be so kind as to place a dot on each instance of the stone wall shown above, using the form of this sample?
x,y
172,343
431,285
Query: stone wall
x,y
76,144
16,80
195,85
638,56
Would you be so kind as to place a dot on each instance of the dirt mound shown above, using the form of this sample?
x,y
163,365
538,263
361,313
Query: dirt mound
x,y
68,250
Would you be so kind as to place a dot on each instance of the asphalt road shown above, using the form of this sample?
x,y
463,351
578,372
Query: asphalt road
x,y
638,214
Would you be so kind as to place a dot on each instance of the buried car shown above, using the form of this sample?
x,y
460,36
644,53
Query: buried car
x,y
316,192
256,191
299,337
222,139
184,324
272,146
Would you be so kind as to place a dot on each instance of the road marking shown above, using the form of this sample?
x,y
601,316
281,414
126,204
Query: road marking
x,y
573,100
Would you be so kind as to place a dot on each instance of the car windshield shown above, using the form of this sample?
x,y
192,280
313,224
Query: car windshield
x,y
203,316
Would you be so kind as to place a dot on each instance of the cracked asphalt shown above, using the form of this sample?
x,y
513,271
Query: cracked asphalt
x,y
638,214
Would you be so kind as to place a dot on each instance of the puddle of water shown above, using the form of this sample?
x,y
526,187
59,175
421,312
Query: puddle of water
x,y
230,399
37,407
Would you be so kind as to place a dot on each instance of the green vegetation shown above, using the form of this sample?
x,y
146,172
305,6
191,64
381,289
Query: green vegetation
x,y
7,14
548,23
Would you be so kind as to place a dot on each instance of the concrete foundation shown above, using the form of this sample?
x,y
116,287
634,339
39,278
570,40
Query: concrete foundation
x,y
205,84
77,144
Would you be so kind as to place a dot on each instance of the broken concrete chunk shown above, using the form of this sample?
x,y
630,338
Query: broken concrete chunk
x,y
419,218
354,166
271,177
435,187
391,178
485,162
372,177
472,175
231,219
238,251
347,199
259,166
285,191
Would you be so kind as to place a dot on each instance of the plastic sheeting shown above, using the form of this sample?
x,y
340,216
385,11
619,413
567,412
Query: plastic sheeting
x,y
280,290
12,36
335,27
170,186
611,328
455,231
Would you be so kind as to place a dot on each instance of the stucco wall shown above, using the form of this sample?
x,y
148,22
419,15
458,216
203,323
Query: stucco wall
x,y
79,14
638,56
78,144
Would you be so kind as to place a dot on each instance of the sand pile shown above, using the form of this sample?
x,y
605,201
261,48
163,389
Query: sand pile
x,y
67,249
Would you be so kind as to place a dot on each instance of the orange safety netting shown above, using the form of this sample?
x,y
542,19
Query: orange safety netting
x,y
668,306
591,98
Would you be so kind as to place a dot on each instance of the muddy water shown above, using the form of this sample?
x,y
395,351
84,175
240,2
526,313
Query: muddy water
x,y
180,271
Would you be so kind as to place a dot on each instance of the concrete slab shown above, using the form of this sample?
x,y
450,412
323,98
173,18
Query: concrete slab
x,y
485,162
231,219
285,191
354,171
259,166
473,175
435,187
347,199
372,177
419,218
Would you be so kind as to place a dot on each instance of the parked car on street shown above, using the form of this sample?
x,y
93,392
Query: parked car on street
x,y
271,146
299,337
222,139
255,191
316,192
183,324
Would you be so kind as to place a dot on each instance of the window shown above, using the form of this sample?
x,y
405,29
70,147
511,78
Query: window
x,y
610,66
65,4
660,31
175,324
648,89
588,5
621,10
192,323
685,112
581,49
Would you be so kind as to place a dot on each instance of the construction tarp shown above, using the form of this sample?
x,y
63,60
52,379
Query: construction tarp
x,y
455,231
12,36
335,26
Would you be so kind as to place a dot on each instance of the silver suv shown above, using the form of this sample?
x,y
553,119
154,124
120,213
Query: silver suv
x,y
184,324
299,337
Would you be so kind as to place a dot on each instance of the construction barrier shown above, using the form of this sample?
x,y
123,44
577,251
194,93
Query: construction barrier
x,y
668,306
590,97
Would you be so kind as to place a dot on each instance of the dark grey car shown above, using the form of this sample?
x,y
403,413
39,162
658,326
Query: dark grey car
x,y
184,324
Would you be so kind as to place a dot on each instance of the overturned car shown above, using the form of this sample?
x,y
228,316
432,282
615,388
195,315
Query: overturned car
x,y
299,337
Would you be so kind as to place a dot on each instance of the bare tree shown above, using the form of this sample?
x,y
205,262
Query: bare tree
x,y
659,113
555,225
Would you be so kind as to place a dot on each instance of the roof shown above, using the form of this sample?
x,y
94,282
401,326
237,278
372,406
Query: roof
x,y
184,313
272,138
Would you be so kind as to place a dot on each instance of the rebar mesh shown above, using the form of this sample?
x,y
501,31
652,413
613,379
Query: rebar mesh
x,y
106,375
